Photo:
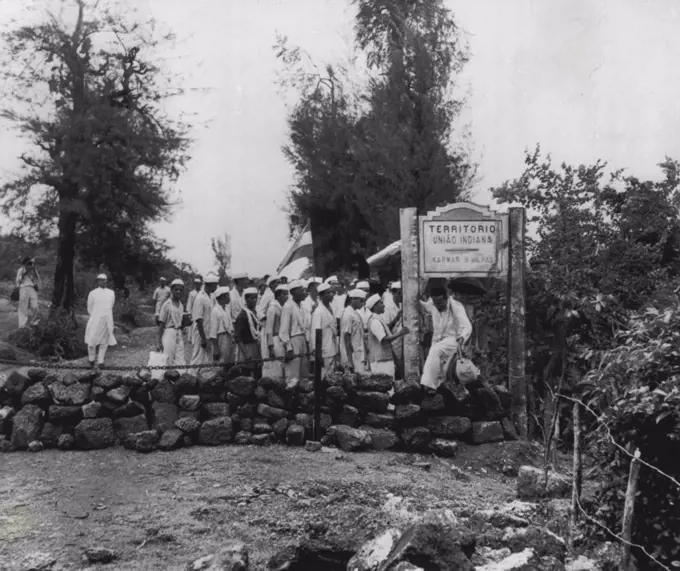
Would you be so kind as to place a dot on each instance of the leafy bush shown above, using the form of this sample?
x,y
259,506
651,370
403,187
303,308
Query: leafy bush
x,y
58,338
636,392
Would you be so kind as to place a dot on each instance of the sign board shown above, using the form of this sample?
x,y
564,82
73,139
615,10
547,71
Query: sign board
x,y
463,239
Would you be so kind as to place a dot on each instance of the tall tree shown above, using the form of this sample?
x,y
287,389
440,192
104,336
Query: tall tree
x,y
89,96
221,247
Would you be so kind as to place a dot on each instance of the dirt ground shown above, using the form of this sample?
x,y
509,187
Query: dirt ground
x,y
162,510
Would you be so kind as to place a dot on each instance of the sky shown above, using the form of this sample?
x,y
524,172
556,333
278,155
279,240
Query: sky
x,y
585,79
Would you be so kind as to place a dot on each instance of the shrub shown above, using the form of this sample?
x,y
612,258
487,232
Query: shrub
x,y
58,338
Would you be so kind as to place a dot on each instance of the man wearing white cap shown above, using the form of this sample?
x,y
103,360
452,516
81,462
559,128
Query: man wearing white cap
x,y
338,303
247,334
451,328
221,332
263,304
364,312
160,296
352,337
393,317
380,339
198,285
170,340
324,319
99,331
293,332
312,300
237,303
201,315
272,339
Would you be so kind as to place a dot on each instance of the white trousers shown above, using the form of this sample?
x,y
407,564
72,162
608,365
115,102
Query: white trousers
x,y
437,363
28,306
92,351
200,356
173,346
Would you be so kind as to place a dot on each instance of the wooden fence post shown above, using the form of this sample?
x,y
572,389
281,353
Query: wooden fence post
x,y
629,510
516,322
410,287
577,479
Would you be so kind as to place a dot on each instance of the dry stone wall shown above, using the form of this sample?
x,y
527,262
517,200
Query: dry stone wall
x,y
92,410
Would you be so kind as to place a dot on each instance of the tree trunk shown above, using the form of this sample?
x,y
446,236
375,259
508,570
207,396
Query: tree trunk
x,y
63,296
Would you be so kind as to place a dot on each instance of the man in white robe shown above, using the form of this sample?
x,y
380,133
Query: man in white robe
x,y
160,296
380,339
338,303
237,303
451,328
310,303
324,320
221,333
293,333
170,338
99,330
201,314
263,303
353,353
272,327
28,282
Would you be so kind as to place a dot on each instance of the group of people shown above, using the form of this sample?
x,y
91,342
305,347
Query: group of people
x,y
271,330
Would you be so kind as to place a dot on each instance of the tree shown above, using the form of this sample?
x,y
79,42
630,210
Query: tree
x,y
221,248
361,152
89,99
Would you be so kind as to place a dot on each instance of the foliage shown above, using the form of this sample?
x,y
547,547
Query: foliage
x,y
636,392
88,96
55,338
221,248
361,152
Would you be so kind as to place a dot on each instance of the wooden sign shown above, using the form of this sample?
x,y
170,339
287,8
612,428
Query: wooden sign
x,y
463,239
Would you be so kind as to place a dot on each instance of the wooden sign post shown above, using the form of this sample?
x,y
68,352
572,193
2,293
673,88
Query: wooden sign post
x,y
466,239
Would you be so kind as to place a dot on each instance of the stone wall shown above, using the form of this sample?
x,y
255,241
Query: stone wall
x,y
39,409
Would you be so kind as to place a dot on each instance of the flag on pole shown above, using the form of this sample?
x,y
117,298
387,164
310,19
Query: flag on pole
x,y
301,248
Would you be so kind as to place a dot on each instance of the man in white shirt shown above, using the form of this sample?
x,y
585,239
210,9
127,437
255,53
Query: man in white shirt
x,y
380,356
201,314
324,320
160,296
237,303
293,332
364,312
451,328
394,320
352,338
170,339
338,303
99,330
28,282
221,333
263,303
272,339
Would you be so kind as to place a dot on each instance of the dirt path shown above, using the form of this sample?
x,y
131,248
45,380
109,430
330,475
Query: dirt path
x,y
160,511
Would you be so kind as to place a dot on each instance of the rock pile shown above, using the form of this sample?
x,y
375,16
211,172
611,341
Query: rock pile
x,y
39,409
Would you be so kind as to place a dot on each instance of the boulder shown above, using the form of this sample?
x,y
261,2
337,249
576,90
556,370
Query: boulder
x,y
243,437
456,391
373,553
215,410
261,394
97,394
306,401
407,414
132,381
50,378
231,557
17,382
100,554
504,396
145,441
163,416
485,432
444,448
172,375
381,439
349,416
406,392
242,386
91,409
7,352
352,439
119,395
542,540
450,426
171,439
311,554
416,439
371,401
186,384
270,413
50,434
295,435
509,429
190,402
64,414
374,382
70,378
163,392
261,439
66,442
36,446
36,394
108,381
37,375
262,428
335,397
531,484
246,410
234,400
189,426
211,383
216,431
269,384
128,410
26,426
5,445
433,403
279,428
490,403
275,400
306,385
312,446
95,433
130,425
72,395
6,413
247,424
525,560
379,420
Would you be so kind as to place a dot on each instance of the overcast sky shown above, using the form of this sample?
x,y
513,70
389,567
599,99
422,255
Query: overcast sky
x,y
586,79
